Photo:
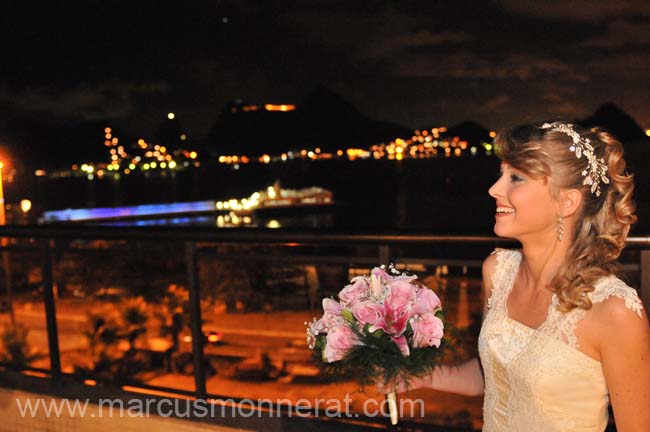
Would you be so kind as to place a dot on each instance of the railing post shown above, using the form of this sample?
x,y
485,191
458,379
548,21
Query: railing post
x,y
195,319
384,254
50,311
645,278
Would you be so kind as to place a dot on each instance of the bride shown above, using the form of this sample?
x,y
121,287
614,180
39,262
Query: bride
x,y
562,336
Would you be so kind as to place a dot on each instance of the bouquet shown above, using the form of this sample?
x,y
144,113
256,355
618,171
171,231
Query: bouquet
x,y
384,327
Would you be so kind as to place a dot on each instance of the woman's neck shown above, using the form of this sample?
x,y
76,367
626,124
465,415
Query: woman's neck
x,y
542,260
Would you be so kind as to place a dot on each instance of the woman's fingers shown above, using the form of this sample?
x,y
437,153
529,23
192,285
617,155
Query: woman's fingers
x,y
390,387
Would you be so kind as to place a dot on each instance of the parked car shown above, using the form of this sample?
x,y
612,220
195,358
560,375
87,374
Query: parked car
x,y
210,335
110,294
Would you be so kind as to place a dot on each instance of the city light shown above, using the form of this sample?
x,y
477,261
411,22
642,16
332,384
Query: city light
x,y
422,144
283,108
273,224
418,145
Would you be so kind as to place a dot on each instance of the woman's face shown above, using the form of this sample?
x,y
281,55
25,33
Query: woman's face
x,y
524,206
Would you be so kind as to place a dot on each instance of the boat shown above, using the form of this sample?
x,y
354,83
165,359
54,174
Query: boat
x,y
273,199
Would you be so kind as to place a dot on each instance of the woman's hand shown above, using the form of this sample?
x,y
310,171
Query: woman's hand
x,y
400,386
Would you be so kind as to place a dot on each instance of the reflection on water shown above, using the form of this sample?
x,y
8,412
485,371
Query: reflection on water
x,y
317,220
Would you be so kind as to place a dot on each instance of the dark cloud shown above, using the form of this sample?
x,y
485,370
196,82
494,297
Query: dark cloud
x,y
106,100
468,65
499,103
621,33
412,62
578,10
621,68
564,103
394,45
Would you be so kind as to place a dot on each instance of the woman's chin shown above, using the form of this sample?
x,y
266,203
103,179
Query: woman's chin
x,y
500,232
505,234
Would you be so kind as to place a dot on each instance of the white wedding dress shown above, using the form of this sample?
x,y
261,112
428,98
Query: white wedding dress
x,y
538,379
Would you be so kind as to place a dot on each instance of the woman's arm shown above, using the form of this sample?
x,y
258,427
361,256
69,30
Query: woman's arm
x,y
624,346
466,378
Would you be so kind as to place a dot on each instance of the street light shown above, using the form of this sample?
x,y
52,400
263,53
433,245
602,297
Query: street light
x,y
25,206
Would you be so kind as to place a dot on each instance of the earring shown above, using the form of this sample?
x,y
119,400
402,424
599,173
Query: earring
x,y
560,228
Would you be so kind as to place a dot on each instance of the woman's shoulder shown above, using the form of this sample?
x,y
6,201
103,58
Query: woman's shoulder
x,y
496,264
616,319
498,257
613,295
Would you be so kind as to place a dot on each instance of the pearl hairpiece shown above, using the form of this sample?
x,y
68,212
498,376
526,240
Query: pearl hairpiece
x,y
596,171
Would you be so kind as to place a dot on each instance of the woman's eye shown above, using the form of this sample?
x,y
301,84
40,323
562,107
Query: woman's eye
x,y
515,178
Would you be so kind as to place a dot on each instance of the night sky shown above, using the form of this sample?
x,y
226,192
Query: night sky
x,y
415,63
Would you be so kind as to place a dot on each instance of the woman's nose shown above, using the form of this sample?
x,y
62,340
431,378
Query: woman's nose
x,y
495,189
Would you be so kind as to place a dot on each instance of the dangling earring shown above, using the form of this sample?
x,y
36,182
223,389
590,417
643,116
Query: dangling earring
x,y
560,228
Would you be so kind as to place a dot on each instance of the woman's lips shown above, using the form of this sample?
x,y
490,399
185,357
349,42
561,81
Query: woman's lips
x,y
503,210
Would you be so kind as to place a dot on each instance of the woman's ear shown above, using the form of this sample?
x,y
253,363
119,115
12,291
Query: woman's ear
x,y
570,201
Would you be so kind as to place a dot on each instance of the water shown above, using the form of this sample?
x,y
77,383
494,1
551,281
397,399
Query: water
x,y
446,196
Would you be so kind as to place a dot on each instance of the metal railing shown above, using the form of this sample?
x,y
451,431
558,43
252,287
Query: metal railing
x,y
387,249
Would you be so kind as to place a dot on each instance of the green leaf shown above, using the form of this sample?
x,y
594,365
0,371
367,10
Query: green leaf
x,y
347,315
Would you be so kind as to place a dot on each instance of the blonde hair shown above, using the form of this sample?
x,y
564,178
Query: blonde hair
x,y
603,222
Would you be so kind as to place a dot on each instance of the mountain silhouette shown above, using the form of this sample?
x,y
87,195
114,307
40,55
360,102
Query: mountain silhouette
x,y
324,119
35,143
611,117
469,131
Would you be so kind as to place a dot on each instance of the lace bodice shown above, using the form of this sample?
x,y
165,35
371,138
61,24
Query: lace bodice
x,y
538,379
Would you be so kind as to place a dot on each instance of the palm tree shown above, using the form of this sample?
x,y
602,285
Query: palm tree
x,y
175,312
135,317
103,333
16,351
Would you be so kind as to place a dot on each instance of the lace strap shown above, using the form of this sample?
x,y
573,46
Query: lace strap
x,y
503,277
614,287
563,326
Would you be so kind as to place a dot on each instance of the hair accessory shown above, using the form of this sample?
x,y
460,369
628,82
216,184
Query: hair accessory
x,y
596,171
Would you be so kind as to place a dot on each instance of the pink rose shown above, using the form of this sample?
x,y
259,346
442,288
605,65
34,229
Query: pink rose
x,y
427,330
400,294
425,301
369,312
340,340
353,292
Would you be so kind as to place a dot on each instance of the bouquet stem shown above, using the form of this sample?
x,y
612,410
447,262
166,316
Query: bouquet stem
x,y
392,407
